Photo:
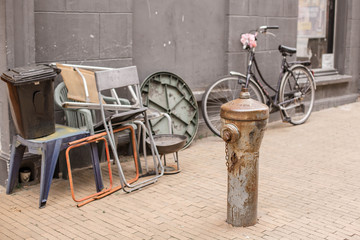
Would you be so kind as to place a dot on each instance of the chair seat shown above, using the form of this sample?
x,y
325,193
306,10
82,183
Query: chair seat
x,y
49,148
120,118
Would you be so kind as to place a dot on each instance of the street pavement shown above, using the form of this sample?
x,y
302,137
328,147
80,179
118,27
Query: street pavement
x,y
309,188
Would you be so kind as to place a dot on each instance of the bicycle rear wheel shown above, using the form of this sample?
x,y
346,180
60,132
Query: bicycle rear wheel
x,y
222,91
297,95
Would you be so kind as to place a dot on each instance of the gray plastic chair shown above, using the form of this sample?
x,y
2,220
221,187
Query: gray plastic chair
x,y
82,118
78,118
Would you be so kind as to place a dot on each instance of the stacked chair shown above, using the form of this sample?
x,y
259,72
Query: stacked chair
x,y
123,114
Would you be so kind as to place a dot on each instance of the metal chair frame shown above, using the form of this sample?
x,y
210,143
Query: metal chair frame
x,y
114,79
107,191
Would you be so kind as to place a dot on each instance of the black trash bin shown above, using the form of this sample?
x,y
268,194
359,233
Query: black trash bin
x,y
31,95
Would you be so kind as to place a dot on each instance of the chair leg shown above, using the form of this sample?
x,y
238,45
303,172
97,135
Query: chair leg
x,y
177,161
96,167
142,129
17,153
154,151
121,173
50,154
98,178
137,150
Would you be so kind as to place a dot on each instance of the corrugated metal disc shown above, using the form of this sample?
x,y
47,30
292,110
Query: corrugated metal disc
x,y
168,93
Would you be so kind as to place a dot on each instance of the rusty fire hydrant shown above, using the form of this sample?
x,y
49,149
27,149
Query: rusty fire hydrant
x,y
243,124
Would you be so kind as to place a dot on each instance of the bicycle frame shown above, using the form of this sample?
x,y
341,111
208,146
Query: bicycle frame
x,y
293,96
273,100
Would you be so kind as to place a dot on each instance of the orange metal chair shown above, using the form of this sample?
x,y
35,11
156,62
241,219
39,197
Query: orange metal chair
x,y
93,139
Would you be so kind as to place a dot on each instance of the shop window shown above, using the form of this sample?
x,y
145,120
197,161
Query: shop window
x,y
315,34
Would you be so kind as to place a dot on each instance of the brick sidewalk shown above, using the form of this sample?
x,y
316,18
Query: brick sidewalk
x,y
309,188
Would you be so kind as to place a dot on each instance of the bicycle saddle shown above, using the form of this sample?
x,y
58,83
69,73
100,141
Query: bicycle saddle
x,y
284,49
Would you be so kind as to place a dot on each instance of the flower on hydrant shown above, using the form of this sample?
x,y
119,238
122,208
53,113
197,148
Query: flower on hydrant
x,y
248,39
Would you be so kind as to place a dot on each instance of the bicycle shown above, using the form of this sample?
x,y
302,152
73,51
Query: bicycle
x,y
293,96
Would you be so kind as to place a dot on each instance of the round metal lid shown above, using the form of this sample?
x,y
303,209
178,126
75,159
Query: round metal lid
x,y
168,93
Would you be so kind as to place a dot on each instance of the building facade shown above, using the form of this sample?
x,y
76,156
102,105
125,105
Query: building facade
x,y
199,40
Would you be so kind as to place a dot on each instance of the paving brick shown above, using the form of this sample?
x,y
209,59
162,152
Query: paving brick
x,y
355,237
308,189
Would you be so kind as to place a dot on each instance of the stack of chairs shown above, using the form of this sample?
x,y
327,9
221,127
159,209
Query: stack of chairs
x,y
123,114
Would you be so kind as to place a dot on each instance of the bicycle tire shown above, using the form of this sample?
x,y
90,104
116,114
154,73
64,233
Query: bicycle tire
x,y
297,95
222,91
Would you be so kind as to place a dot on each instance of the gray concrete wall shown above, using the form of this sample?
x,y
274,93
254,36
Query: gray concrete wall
x,y
4,116
91,32
16,49
346,51
87,32
352,65
246,15
20,35
184,38
197,40
3,63
187,38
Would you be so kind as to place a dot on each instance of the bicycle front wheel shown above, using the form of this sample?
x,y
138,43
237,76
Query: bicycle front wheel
x,y
297,94
222,91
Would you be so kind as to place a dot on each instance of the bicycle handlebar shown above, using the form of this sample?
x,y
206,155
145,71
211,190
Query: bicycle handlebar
x,y
273,27
263,29
249,39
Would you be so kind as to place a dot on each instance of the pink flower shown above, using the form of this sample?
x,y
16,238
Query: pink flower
x,y
248,39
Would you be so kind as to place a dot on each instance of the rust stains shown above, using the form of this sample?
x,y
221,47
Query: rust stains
x,y
235,163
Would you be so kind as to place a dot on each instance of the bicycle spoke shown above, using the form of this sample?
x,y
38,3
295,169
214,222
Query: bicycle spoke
x,y
297,95
223,91
306,90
